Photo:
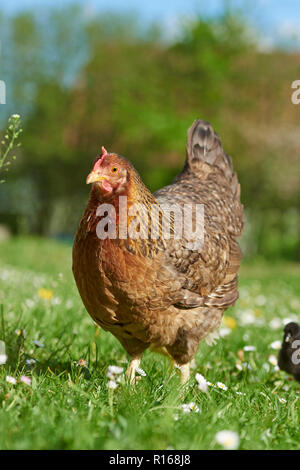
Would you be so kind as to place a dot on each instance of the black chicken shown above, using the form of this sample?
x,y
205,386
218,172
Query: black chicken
x,y
289,354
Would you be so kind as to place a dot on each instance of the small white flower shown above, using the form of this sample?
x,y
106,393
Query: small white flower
x,y
282,400
10,380
3,359
15,116
249,348
194,407
119,379
115,370
110,376
188,407
247,318
228,439
112,384
30,303
39,344
69,304
224,332
276,344
185,408
275,324
141,372
30,362
222,386
260,300
55,301
202,384
273,360
26,380
238,366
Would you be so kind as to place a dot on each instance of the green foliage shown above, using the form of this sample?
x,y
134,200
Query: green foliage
x,y
83,82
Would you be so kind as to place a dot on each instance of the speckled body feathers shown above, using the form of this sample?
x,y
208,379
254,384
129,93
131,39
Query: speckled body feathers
x,y
158,292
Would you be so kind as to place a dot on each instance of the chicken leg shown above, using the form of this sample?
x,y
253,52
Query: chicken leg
x,y
184,373
133,365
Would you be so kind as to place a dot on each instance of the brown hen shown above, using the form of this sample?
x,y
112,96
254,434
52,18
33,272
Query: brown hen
x,y
149,289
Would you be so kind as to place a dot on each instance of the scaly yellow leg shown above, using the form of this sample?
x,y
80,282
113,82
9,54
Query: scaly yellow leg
x,y
185,373
133,365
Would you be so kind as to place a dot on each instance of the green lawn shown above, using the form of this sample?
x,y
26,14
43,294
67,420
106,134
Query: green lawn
x,y
68,406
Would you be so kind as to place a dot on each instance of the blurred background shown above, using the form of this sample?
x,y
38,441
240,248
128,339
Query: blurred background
x,y
133,76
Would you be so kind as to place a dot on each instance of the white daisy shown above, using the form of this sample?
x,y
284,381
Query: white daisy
x,y
10,380
260,300
26,380
115,370
112,384
222,386
275,324
273,360
276,344
282,400
3,359
202,384
141,372
30,362
228,439
224,332
188,407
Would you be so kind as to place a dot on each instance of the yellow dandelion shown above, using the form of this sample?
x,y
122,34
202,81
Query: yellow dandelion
x,y
230,322
257,312
45,294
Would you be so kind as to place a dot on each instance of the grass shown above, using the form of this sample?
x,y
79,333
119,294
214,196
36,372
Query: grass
x,y
68,406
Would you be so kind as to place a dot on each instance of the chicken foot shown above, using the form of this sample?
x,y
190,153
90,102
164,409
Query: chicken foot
x,y
133,365
184,373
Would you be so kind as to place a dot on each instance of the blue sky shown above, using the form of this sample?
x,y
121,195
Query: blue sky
x,y
278,20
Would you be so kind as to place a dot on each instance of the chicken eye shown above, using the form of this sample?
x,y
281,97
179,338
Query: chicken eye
x,y
114,169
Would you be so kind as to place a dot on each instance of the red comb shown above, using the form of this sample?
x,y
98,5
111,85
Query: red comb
x,y
104,151
100,158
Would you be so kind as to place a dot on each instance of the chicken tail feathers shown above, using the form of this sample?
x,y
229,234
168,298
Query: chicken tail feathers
x,y
204,146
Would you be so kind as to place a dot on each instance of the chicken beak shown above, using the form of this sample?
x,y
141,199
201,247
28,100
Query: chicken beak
x,y
93,177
